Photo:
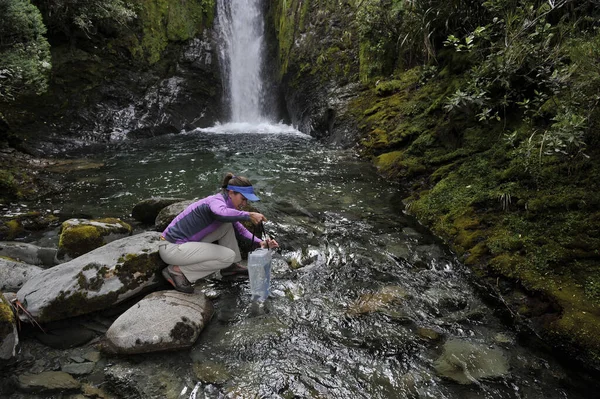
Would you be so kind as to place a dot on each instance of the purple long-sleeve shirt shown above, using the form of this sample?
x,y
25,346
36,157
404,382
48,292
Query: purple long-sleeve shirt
x,y
205,216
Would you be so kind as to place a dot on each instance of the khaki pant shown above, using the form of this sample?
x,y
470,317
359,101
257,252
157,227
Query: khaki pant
x,y
199,259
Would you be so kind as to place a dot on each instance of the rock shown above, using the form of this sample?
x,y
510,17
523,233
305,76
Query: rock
x,y
147,210
9,336
167,214
28,253
211,372
80,236
78,368
47,381
22,224
14,274
378,301
94,281
467,363
163,320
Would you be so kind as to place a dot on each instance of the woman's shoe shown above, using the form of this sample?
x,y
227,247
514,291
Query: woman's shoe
x,y
177,280
235,269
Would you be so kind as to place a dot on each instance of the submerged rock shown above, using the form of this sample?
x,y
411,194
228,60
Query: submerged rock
x,y
147,210
467,363
14,274
47,381
9,336
163,320
379,301
94,281
28,253
80,236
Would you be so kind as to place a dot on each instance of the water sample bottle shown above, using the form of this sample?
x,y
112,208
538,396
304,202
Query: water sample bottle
x,y
259,272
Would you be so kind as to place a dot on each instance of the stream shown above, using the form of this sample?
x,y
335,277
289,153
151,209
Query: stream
x,y
376,308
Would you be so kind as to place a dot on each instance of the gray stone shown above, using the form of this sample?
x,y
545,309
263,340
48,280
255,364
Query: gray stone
x,y
167,214
147,210
28,253
78,368
467,363
14,274
94,281
163,320
47,381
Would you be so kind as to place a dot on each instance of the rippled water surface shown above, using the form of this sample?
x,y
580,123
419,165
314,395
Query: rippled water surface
x,y
368,314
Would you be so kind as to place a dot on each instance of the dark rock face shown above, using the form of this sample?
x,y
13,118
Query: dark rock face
x,y
318,53
98,97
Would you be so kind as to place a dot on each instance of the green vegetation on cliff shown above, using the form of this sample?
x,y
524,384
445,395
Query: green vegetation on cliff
x,y
487,112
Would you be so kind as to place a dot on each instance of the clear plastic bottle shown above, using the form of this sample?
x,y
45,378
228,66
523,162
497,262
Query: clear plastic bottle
x,y
259,273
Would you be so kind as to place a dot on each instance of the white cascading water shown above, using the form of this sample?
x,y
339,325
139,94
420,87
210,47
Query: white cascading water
x,y
241,28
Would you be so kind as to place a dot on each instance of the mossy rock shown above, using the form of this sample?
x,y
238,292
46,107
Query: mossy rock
x,y
80,236
8,331
23,224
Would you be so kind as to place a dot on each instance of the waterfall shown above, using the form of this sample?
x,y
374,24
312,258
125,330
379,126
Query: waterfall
x,y
241,29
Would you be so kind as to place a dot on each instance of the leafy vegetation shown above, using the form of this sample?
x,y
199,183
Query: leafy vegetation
x,y
24,51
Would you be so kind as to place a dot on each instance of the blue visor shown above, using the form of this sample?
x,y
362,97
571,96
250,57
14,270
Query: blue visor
x,y
246,191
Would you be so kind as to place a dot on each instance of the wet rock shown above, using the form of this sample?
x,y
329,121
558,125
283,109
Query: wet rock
x,y
28,253
167,214
80,236
25,223
211,373
467,363
9,336
14,274
142,381
378,301
94,281
163,320
47,381
428,334
147,210
78,368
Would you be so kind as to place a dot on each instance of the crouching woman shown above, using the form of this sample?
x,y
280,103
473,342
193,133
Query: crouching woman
x,y
202,239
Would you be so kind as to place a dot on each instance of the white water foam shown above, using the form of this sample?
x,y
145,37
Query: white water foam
x,y
252,128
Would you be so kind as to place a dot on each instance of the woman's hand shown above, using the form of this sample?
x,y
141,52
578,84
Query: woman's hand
x,y
256,217
269,243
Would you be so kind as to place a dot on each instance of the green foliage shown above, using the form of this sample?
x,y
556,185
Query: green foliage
x,y
68,16
24,51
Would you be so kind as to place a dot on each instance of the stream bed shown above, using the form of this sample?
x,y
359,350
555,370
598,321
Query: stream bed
x,y
365,302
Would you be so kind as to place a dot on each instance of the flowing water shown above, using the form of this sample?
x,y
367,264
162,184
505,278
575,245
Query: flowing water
x,y
365,303
368,314
240,25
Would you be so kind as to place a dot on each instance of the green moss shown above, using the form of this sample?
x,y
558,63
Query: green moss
x,y
78,240
163,21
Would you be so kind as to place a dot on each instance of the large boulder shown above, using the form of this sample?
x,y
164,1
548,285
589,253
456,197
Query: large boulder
x,y
167,214
80,236
14,274
94,281
28,253
147,210
9,337
163,320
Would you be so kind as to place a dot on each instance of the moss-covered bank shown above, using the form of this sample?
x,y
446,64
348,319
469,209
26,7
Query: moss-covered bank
x,y
496,146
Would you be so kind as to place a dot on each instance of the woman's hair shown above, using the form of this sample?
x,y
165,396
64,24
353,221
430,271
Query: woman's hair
x,y
231,179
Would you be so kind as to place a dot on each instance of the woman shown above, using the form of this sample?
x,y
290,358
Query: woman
x,y
188,247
